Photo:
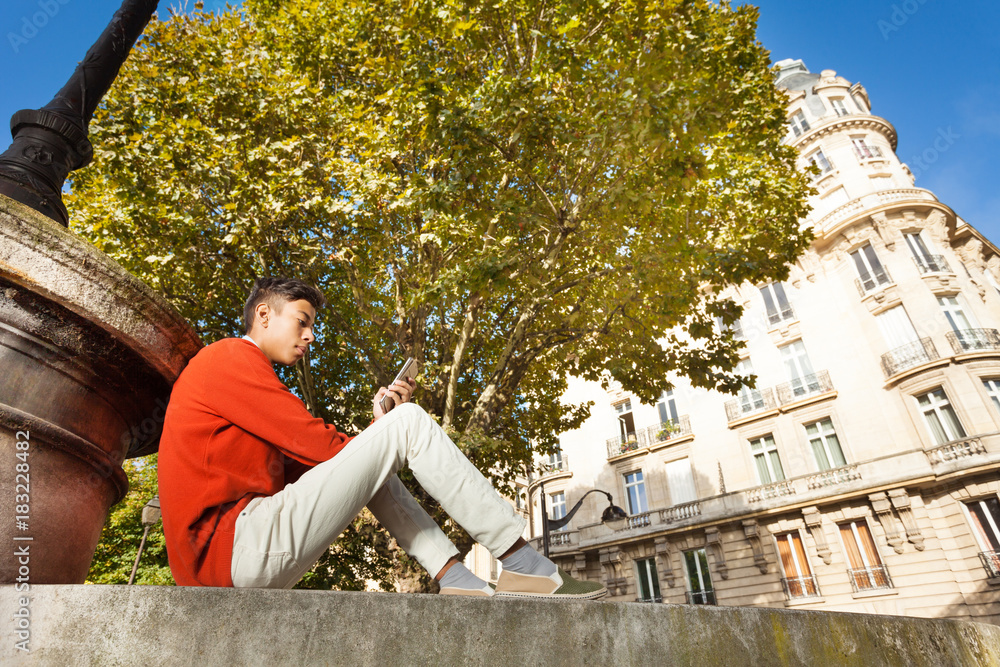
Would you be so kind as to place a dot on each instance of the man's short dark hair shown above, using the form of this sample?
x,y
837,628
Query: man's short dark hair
x,y
276,292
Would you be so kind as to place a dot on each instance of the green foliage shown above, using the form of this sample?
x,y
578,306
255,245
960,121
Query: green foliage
x,y
510,191
122,534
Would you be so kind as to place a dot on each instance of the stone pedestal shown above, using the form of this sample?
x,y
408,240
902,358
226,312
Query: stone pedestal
x,y
88,355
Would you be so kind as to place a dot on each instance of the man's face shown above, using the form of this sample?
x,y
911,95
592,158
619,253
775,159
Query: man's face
x,y
284,335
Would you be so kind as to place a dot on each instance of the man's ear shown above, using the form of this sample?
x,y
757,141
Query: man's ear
x,y
261,314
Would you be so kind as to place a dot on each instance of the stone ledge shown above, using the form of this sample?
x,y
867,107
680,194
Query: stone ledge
x,y
146,625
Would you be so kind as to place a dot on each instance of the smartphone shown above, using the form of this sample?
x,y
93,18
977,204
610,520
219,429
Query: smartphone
x,y
409,370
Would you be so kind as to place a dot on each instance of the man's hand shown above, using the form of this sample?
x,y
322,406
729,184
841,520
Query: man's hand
x,y
400,392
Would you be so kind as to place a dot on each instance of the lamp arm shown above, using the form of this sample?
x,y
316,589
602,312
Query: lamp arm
x,y
555,524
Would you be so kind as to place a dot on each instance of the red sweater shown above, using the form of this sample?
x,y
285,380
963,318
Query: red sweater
x,y
233,432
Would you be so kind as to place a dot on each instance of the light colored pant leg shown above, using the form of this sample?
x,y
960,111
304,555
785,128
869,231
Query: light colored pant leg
x,y
280,537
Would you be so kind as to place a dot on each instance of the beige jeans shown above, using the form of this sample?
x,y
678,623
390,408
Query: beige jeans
x,y
280,537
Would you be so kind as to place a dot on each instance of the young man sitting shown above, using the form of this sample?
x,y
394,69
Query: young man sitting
x,y
254,489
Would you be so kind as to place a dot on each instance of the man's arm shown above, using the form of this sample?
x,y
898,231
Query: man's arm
x,y
241,387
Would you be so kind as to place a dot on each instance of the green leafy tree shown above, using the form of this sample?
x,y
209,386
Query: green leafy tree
x,y
123,531
512,192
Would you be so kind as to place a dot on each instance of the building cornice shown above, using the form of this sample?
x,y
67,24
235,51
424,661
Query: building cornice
x,y
849,122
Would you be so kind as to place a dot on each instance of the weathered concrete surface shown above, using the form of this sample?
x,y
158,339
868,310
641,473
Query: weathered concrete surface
x,y
141,625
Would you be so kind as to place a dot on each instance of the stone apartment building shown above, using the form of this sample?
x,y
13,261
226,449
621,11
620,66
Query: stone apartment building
x,y
861,474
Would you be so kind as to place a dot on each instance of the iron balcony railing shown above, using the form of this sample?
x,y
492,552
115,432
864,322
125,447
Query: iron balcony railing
x,y
750,401
870,282
628,442
869,578
865,152
909,355
991,561
932,264
799,388
972,340
669,430
800,587
700,597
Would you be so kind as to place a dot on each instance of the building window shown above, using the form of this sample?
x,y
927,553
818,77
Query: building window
x,y
825,445
699,581
558,504
798,581
736,327
750,400
647,584
765,458
626,422
993,389
955,315
635,491
942,422
984,515
859,104
494,568
680,482
800,372
838,106
863,151
778,308
667,407
926,261
896,328
867,571
818,159
871,274
799,124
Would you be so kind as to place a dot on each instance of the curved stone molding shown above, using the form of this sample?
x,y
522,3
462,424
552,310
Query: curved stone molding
x,y
40,255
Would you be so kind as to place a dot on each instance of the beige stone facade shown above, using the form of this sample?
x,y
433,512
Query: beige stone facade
x,y
862,472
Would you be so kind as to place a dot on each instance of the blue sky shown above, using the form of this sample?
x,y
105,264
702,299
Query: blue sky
x,y
930,66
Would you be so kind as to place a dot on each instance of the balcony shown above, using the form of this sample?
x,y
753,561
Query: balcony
x,y
680,512
865,152
638,521
750,401
781,314
656,599
974,340
953,451
628,442
907,356
870,283
797,588
991,562
669,430
768,491
552,467
561,539
700,597
932,264
869,578
833,477
808,385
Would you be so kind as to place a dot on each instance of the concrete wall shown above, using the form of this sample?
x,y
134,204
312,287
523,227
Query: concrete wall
x,y
143,625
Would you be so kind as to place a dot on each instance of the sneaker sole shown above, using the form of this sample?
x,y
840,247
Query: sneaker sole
x,y
594,595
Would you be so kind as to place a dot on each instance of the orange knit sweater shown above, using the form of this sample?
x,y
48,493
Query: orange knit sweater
x,y
232,432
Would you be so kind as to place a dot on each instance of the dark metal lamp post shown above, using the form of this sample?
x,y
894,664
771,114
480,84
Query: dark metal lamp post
x,y
52,141
612,514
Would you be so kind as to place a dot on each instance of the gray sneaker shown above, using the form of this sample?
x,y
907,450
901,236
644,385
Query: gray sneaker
x,y
559,586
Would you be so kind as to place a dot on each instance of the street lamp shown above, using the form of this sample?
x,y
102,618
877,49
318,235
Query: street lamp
x,y
612,514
